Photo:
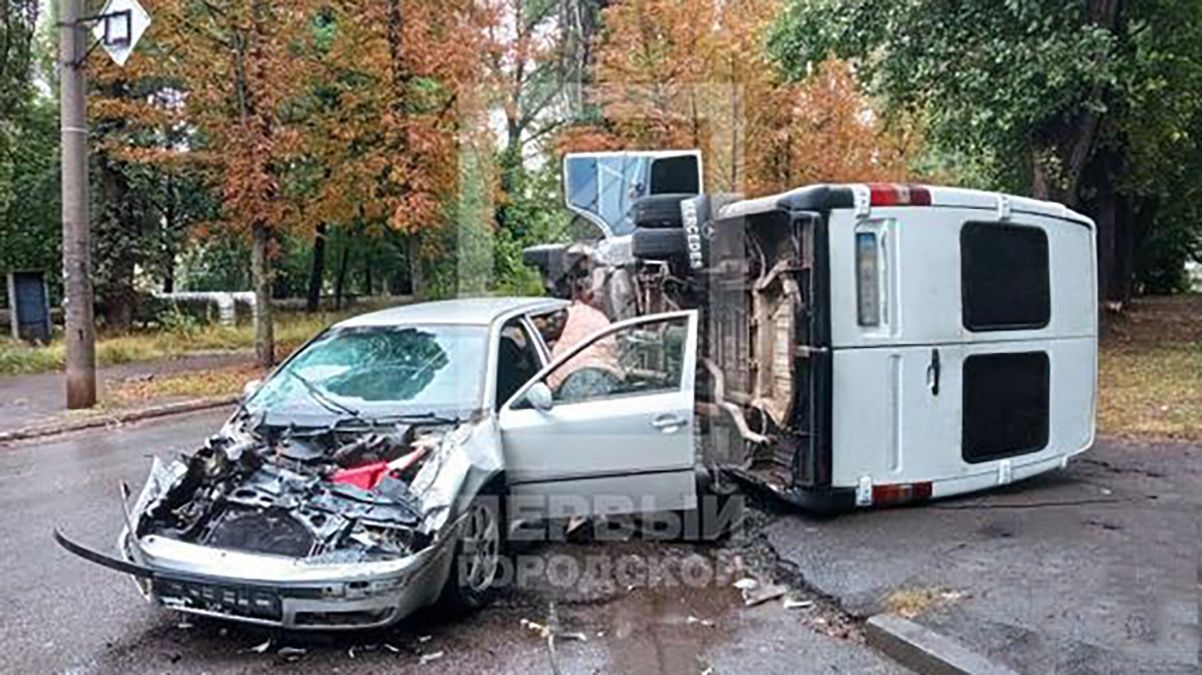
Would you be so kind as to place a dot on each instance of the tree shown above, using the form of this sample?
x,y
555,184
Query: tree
x,y
387,98
18,26
240,71
1072,101
677,74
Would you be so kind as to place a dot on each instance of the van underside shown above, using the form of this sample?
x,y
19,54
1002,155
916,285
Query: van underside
x,y
757,278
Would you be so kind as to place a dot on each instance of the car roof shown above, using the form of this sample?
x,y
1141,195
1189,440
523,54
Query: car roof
x,y
460,311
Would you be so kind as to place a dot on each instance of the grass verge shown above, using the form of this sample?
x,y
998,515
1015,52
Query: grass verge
x,y
1150,370
179,386
291,329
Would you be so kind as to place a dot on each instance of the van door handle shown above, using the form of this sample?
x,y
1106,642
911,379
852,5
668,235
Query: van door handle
x,y
933,373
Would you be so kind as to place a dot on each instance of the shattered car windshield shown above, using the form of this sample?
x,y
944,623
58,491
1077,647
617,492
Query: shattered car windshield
x,y
381,370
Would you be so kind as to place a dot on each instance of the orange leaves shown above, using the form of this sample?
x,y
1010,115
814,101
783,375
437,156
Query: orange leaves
x,y
826,131
673,73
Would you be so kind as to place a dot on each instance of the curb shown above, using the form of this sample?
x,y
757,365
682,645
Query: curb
x,y
924,651
122,417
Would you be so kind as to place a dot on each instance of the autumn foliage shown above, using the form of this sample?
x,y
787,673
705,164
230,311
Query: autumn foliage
x,y
675,74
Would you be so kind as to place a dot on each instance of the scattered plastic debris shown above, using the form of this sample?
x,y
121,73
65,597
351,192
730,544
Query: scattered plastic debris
x,y
746,584
431,657
292,653
692,620
763,594
184,625
794,603
260,648
423,639
392,648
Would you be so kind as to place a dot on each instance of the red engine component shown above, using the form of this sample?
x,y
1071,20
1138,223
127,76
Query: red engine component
x,y
367,476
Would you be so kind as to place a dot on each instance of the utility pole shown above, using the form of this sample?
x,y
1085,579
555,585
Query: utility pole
x,y
80,331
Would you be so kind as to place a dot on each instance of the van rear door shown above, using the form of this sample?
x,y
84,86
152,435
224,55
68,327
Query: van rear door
x,y
963,339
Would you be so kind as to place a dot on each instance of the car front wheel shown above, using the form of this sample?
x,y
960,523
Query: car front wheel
x,y
477,561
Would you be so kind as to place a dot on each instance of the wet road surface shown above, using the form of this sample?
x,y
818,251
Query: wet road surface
x,y
65,615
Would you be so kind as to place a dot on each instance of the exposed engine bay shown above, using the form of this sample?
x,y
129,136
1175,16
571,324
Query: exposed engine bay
x,y
327,495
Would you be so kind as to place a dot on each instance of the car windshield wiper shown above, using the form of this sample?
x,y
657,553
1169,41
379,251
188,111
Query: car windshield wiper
x,y
325,400
418,417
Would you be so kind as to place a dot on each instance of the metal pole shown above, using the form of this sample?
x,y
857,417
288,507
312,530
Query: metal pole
x,y
80,329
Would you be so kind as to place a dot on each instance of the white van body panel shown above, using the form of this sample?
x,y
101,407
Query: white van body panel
x,y
888,426
920,277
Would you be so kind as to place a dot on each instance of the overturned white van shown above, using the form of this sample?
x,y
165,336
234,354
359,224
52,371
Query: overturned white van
x,y
866,344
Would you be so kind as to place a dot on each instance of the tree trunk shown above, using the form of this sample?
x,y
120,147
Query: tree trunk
x,y
317,272
340,280
417,279
368,281
260,265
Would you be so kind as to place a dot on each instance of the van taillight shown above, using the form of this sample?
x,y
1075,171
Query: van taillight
x,y
896,194
868,280
900,493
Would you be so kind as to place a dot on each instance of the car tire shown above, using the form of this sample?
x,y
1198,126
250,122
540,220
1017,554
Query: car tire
x,y
476,562
658,244
658,211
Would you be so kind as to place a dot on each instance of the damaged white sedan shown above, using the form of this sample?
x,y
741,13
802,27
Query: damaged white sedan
x,y
375,472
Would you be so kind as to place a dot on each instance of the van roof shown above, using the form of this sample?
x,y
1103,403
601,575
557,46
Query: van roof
x,y
841,196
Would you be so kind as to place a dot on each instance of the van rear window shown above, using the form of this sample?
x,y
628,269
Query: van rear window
x,y
1004,277
1005,405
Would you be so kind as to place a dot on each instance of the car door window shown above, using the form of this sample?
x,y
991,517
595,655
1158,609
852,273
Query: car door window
x,y
645,358
517,360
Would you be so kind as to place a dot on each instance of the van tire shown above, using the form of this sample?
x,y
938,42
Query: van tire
x,y
658,211
658,244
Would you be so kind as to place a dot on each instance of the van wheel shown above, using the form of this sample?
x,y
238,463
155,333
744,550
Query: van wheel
x,y
658,211
476,563
658,244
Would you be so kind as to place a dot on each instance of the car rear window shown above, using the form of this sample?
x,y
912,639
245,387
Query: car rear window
x,y
1005,405
1004,277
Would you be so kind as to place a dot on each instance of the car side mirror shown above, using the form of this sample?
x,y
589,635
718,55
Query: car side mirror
x,y
539,396
250,388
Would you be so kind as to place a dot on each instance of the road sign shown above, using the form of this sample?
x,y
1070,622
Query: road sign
x,y
119,28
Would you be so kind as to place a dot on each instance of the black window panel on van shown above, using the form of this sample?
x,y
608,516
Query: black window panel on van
x,y
1004,277
1005,405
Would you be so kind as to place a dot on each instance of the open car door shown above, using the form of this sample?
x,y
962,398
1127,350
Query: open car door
x,y
607,427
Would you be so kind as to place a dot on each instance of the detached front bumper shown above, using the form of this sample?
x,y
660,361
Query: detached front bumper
x,y
275,591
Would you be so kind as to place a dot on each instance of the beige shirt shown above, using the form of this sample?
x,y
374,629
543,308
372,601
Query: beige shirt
x,y
582,321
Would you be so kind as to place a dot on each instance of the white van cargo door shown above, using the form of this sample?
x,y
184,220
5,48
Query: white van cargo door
x,y
896,413
607,427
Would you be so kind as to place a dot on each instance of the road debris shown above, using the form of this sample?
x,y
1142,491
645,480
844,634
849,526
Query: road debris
x,y
763,594
260,648
392,648
291,654
746,584
431,657
794,603
692,620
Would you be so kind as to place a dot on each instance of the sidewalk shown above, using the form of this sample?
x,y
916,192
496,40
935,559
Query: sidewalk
x,y
31,400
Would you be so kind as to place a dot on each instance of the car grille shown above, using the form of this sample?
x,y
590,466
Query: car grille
x,y
247,601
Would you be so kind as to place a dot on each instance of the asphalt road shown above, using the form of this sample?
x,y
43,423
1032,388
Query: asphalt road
x,y
1094,569
62,614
